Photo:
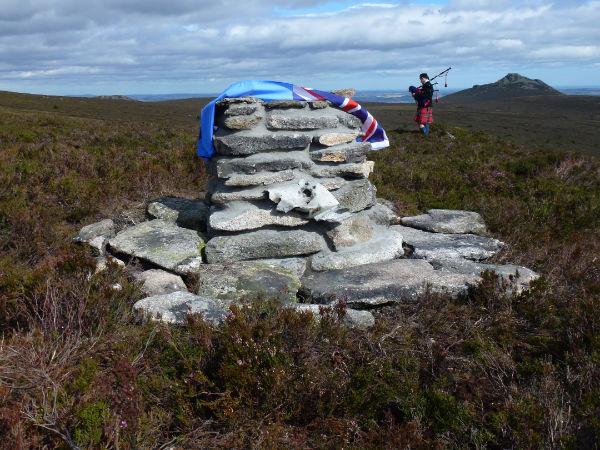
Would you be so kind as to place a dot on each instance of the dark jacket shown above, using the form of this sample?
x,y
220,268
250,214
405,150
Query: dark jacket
x,y
424,96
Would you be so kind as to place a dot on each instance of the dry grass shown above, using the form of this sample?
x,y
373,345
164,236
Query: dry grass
x,y
489,371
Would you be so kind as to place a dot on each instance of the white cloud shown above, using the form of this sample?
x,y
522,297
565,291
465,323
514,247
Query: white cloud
x,y
204,45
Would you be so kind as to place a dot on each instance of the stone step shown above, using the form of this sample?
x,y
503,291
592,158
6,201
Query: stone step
x,y
263,244
395,281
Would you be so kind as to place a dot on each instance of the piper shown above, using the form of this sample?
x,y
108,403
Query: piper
x,y
423,95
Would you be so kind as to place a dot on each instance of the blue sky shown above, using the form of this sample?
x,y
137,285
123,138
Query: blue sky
x,y
69,47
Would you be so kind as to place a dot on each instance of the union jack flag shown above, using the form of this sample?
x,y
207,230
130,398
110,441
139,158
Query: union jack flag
x,y
372,131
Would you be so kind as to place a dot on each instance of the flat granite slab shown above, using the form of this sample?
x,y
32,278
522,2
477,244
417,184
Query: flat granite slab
x,y
389,282
447,221
160,242
428,245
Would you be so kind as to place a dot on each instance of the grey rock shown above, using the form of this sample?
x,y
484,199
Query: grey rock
x,y
277,121
350,121
225,166
354,152
345,92
189,266
174,307
384,246
516,278
219,193
447,221
229,101
105,229
335,138
259,179
285,104
248,280
158,241
305,196
395,281
241,110
98,244
263,244
158,282
352,231
296,266
184,212
240,216
102,263
381,214
240,144
350,170
428,245
353,318
319,104
241,122
356,195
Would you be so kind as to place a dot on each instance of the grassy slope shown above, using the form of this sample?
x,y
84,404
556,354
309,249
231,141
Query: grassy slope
x,y
489,370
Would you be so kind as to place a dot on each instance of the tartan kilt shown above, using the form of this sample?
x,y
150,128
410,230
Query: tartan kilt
x,y
424,115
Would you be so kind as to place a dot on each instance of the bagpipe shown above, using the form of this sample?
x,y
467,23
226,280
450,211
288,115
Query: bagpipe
x,y
444,73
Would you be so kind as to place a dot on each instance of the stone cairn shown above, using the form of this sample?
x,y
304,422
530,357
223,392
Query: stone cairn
x,y
291,214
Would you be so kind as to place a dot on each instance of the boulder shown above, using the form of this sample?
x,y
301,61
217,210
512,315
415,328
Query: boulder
x,y
305,196
259,179
516,278
296,266
240,144
241,216
186,213
384,246
353,318
158,282
104,229
276,121
447,221
399,280
428,245
175,306
238,122
248,280
335,138
350,170
356,195
352,231
273,162
160,242
354,152
241,110
263,244
381,214
285,104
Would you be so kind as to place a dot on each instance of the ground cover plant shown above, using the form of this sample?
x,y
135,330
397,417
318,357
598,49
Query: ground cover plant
x,y
492,370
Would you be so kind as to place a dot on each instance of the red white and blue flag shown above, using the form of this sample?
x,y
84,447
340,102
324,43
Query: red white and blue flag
x,y
372,131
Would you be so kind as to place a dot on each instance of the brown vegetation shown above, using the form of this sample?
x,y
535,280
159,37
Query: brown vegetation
x,y
491,370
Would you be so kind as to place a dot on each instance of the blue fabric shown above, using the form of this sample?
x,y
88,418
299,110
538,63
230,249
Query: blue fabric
x,y
263,89
266,90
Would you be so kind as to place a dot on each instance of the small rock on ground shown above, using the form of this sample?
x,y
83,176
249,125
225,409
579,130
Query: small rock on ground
x,y
158,282
174,307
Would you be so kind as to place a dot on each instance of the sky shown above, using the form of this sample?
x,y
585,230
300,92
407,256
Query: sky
x,y
75,47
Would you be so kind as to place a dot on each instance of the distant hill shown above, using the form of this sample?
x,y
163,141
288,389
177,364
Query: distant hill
x,y
511,86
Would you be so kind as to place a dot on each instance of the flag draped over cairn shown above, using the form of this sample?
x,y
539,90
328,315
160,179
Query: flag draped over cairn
x,y
276,90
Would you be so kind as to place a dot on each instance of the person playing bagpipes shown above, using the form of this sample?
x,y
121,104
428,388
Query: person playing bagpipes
x,y
423,95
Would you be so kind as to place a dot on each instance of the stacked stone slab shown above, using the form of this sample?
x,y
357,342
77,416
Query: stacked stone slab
x,y
291,179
